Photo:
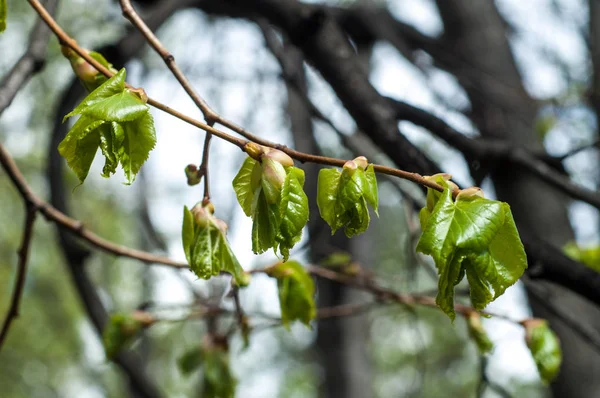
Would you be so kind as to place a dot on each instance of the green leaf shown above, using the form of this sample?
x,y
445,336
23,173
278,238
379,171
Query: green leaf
x,y
190,361
265,224
119,333
476,237
293,211
243,184
219,381
3,15
342,198
206,247
296,292
478,333
116,120
273,196
544,347
589,256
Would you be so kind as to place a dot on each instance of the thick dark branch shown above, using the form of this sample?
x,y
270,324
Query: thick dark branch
x,y
30,63
13,310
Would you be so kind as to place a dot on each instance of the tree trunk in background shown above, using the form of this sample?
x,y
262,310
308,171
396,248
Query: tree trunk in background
x,y
482,61
340,342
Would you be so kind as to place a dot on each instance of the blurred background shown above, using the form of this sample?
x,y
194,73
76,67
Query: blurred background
x,y
516,70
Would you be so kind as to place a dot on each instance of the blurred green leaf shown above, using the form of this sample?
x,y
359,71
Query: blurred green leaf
x,y
544,347
3,15
589,256
116,120
478,333
472,236
120,331
296,292
544,124
190,361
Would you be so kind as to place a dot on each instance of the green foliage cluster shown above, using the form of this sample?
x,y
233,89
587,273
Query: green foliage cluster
x,y
271,192
544,347
218,380
205,245
471,236
343,196
115,119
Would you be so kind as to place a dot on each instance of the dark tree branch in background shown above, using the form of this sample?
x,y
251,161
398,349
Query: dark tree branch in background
x,y
13,310
30,63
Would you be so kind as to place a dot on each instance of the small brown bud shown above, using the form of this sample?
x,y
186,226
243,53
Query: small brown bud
x,y
361,162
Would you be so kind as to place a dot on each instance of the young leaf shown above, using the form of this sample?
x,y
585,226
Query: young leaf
x,y
296,292
219,381
3,15
544,347
293,211
478,333
116,120
271,192
476,237
244,187
342,197
121,330
190,361
87,74
205,245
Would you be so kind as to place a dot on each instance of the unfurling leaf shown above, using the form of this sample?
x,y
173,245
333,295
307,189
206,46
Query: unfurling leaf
x,y
205,245
3,15
115,119
544,347
478,333
343,196
296,292
473,236
271,192
213,356
122,329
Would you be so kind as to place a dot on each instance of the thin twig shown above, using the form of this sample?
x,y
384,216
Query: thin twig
x,y
13,310
300,156
203,170
73,225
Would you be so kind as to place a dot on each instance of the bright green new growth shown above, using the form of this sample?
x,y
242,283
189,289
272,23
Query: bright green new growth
x,y
3,15
473,236
296,292
117,121
342,197
478,333
544,347
206,247
119,333
589,256
273,195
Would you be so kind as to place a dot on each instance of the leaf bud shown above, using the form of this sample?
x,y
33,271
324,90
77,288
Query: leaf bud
x,y
202,215
192,174
361,162
254,150
145,319
274,172
350,167
470,193
222,225
278,156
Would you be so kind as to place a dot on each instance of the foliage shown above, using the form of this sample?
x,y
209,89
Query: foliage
x,y
296,292
544,347
3,14
271,192
205,245
589,256
117,120
87,74
342,197
478,333
121,330
474,236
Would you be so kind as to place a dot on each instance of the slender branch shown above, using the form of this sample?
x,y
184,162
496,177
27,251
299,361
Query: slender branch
x,y
75,226
30,63
300,156
203,170
13,311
